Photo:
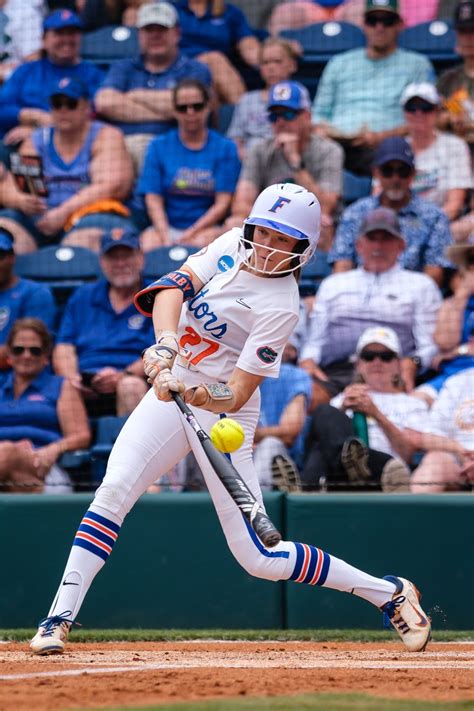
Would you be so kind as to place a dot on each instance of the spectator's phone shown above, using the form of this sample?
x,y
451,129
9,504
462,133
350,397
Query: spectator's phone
x,y
28,174
87,377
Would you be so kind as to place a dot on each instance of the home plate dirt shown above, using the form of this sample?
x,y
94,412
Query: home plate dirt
x,y
109,674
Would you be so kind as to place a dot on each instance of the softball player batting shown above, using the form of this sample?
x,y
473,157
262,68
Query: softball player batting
x,y
224,317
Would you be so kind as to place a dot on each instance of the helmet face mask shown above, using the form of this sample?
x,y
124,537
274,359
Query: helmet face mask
x,y
291,210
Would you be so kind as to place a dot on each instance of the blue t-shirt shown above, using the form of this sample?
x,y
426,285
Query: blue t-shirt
x,y
30,85
131,74
102,336
33,415
189,179
277,393
64,180
209,33
25,298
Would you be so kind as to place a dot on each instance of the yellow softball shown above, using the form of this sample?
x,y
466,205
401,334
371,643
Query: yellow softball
x,y
227,435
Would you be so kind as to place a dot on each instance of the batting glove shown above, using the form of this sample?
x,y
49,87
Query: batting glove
x,y
165,383
160,356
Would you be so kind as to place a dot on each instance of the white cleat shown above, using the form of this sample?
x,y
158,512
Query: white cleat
x,y
407,616
52,634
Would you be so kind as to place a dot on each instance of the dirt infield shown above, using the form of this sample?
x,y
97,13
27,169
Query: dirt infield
x,y
110,674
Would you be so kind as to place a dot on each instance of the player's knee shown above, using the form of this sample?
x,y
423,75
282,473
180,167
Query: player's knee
x,y
113,497
255,563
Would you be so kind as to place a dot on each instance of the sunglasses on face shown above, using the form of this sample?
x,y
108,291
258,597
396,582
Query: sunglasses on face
x,y
184,108
287,115
386,19
424,106
388,171
32,350
64,102
385,356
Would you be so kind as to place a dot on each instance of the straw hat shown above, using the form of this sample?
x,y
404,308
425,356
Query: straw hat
x,y
457,253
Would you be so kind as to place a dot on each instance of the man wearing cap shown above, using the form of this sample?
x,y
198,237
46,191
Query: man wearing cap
x,y
24,98
19,298
293,155
456,85
378,292
137,93
358,97
102,335
443,171
425,227
378,393
87,172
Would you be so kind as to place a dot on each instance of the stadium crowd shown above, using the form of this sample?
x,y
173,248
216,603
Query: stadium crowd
x,y
135,129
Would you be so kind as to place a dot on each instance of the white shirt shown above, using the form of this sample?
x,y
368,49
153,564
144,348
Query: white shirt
x,y
25,28
238,318
404,411
349,302
452,413
444,165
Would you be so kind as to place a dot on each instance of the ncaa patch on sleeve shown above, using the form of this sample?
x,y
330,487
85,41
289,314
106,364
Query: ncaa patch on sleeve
x,y
267,354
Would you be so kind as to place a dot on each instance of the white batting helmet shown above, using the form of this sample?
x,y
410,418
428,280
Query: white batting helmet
x,y
292,210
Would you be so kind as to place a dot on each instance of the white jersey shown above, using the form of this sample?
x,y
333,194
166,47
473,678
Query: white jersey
x,y
452,414
238,318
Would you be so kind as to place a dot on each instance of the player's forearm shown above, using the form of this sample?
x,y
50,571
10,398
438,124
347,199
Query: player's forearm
x,y
167,310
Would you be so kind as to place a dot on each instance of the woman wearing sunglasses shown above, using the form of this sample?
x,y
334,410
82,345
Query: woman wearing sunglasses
x,y
41,415
442,161
378,392
189,174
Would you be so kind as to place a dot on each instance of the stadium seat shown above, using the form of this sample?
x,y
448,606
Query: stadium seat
x,y
109,44
224,117
107,431
61,268
436,40
320,42
165,259
313,273
355,186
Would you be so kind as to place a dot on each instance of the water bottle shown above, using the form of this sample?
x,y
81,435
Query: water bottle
x,y
359,422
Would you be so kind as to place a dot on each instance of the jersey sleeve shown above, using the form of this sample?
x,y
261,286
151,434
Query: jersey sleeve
x,y
220,255
263,349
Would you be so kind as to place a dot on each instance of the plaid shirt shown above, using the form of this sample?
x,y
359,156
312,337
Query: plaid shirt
x,y
424,226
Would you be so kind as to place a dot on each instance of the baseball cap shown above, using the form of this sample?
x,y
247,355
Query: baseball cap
x,y
457,253
394,148
6,240
157,13
464,15
59,19
380,5
68,86
383,335
290,95
423,90
382,218
119,237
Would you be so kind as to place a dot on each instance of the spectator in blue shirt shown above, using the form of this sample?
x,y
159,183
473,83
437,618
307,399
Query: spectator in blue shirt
x,y
137,93
189,175
102,335
210,32
424,225
19,298
24,98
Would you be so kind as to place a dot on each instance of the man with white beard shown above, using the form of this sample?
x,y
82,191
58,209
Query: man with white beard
x,y
424,226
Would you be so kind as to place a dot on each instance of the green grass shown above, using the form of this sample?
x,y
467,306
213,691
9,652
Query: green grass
x,y
319,702
312,635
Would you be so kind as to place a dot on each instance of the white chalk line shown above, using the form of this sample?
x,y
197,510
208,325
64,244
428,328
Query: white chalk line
x,y
321,664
